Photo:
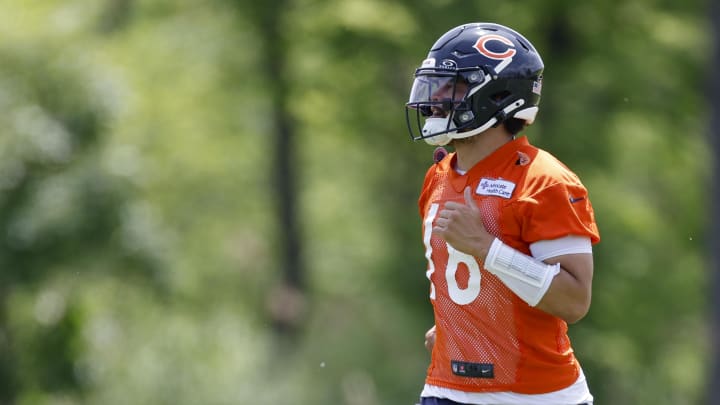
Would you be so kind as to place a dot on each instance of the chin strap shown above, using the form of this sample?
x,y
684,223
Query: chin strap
x,y
437,124
499,118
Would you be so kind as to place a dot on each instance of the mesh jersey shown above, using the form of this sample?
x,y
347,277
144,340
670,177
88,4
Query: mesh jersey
x,y
525,195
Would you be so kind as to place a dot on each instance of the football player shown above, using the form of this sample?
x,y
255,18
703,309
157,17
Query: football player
x,y
508,229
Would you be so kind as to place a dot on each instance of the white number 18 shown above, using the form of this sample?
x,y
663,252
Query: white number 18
x,y
455,257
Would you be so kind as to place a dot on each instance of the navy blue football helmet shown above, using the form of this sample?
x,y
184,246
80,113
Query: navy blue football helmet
x,y
475,77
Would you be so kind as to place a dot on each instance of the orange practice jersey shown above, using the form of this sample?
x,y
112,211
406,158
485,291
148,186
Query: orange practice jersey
x,y
488,339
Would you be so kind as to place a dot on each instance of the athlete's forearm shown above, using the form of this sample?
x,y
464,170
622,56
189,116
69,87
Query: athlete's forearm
x,y
570,293
559,285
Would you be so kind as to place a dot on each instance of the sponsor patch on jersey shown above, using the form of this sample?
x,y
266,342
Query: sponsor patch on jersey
x,y
497,187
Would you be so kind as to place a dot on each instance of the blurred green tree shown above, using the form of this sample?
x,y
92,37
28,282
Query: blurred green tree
x,y
60,213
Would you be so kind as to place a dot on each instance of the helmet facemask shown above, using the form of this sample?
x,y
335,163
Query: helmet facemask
x,y
439,108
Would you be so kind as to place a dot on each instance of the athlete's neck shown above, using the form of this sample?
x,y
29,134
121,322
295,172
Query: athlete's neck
x,y
472,150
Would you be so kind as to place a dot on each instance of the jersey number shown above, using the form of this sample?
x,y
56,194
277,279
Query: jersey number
x,y
455,257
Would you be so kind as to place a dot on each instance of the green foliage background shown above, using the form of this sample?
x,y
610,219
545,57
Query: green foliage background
x,y
140,246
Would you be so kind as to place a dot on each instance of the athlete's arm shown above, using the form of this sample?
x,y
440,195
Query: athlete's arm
x,y
569,294
430,338
562,290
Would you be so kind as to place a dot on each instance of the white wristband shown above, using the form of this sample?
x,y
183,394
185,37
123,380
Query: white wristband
x,y
527,277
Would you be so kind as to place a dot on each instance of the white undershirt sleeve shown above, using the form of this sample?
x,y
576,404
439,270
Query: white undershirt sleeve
x,y
567,245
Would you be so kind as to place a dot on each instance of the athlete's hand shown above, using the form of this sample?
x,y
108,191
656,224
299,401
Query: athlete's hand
x,y
461,226
430,338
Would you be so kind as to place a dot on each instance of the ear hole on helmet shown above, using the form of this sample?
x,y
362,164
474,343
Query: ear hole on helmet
x,y
500,97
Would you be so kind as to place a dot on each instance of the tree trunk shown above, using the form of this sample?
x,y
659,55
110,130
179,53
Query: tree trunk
x,y
286,303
